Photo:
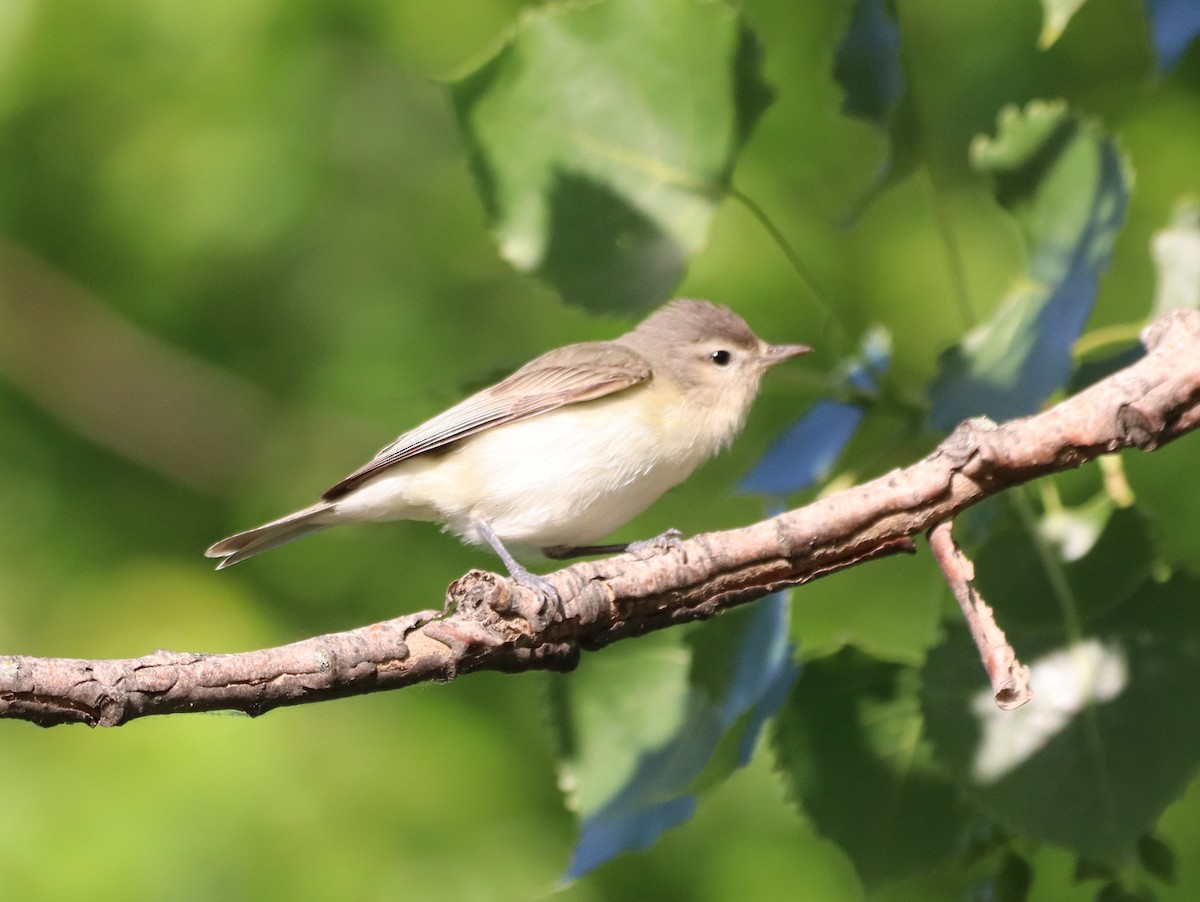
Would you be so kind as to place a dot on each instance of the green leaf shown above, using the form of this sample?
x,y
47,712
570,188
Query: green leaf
x,y
1158,859
1063,180
1087,869
906,153
867,64
850,745
1066,185
603,136
631,698
637,754
1094,368
891,608
1104,746
1014,580
1119,892
869,67
1014,880
743,669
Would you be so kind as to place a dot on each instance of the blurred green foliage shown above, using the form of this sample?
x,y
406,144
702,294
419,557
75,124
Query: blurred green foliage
x,y
241,248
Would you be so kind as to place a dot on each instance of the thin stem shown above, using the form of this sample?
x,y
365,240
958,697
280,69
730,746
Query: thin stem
x,y
1008,676
958,270
1116,486
806,275
1051,566
1073,626
958,273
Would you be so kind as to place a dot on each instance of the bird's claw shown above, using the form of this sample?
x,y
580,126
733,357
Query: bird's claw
x,y
549,606
671,540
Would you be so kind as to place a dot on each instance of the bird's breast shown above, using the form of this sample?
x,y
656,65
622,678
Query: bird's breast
x,y
575,475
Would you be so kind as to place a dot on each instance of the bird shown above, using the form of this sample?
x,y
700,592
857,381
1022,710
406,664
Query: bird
x,y
566,450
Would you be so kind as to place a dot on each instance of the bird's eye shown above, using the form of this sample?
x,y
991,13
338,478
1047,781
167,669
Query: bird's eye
x,y
720,358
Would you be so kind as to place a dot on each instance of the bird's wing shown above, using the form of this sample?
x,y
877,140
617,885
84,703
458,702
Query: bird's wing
x,y
568,375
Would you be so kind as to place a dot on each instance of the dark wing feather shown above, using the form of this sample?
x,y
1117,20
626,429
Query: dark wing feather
x,y
564,376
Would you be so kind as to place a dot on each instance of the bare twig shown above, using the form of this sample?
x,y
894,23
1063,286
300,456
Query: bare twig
x,y
1009,677
1143,406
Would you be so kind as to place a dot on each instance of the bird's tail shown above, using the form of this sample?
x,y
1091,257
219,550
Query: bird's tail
x,y
270,535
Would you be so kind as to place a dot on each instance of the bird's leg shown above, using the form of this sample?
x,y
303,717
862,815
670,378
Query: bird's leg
x,y
550,603
667,541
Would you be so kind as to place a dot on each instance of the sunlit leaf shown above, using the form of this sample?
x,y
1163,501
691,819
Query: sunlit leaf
x,y
1091,762
1177,260
1056,14
1066,185
602,136
1176,250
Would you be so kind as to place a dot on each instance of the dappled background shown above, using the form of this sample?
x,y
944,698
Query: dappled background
x,y
245,244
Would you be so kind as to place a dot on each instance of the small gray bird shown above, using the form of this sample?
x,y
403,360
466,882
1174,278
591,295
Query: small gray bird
x,y
567,449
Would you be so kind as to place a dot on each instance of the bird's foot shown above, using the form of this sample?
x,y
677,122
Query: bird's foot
x,y
671,540
549,606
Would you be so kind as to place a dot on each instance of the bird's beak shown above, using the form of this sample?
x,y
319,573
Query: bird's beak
x,y
773,354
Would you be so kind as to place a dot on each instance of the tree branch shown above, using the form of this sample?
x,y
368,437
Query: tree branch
x,y
1008,676
1143,406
